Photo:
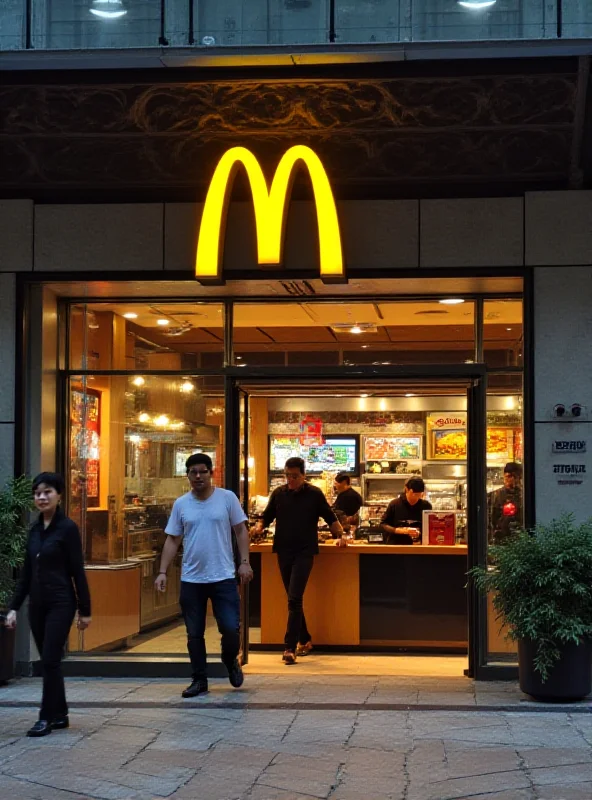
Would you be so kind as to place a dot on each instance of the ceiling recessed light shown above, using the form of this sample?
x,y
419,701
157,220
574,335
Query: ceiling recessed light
x,y
130,315
139,381
451,301
187,387
476,5
355,329
144,417
365,346
508,329
162,421
364,395
239,358
409,394
162,322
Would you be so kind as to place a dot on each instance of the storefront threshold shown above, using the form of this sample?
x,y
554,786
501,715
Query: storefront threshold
x,y
132,667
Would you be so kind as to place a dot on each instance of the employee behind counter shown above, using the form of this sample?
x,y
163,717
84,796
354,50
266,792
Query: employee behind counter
x,y
402,520
347,501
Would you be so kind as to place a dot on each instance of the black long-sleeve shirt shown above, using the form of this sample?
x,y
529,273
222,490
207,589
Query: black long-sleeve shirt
x,y
297,515
53,571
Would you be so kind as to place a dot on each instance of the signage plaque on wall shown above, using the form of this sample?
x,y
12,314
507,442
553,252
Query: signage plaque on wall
x,y
568,446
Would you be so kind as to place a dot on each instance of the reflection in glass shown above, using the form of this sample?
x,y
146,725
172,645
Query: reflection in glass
x,y
128,442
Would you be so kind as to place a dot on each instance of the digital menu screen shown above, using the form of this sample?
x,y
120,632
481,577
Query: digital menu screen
x,y
336,454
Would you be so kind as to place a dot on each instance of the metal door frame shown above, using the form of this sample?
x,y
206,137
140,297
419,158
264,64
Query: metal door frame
x,y
474,378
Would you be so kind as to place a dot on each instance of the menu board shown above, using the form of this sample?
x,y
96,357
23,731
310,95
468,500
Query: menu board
x,y
391,448
500,444
447,435
336,454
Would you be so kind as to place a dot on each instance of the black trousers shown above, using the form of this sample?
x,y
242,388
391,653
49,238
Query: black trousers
x,y
295,570
226,607
50,626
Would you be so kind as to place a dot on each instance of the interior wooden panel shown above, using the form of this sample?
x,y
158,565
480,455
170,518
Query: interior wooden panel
x,y
115,595
496,632
331,601
252,335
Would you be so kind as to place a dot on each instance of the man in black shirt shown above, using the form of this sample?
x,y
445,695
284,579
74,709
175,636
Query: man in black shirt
x,y
296,507
403,516
505,506
348,501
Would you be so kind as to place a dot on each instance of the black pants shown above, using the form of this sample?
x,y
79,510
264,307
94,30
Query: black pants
x,y
226,607
50,626
295,570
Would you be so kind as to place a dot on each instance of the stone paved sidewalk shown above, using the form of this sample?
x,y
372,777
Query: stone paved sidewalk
x,y
288,737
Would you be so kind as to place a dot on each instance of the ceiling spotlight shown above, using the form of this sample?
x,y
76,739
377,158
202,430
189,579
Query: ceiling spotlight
x,y
476,5
365,346
355,329
163,322
162,421
451,301
508,329
130,315
187,387
108,9
409,394
139,381
144,417
364,395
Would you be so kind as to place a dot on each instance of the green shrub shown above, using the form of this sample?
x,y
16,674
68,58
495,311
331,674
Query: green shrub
x,y
16,499
541,582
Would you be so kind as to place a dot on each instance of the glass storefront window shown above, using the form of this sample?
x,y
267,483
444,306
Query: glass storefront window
x,y
505,488
155,336
330,334
129,438
503,333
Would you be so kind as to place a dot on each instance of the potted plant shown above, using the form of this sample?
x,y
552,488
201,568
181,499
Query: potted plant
x,y
15,501
541,586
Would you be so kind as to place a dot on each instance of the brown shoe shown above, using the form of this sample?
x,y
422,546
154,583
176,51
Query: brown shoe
x,y
289,657
304,649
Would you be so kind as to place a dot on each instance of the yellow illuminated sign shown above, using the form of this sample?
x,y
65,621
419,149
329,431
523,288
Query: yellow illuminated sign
x,y
270,212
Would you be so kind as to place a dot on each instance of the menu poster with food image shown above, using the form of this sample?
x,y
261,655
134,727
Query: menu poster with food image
x,y
391,448
500,444
447,435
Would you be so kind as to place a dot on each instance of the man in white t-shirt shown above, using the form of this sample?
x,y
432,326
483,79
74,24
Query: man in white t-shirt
x,y
205,518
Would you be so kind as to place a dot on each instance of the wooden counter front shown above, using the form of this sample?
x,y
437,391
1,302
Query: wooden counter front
x,y
115,605
332,597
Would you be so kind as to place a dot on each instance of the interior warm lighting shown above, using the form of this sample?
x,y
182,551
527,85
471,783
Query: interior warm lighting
x,y
139,381
161,421
382,405
355,329
163,322
108,9
135,439
451,301
144,417
270,211
365,346
130,315
364,395
187,387
476,5
409,394
508,329
250,462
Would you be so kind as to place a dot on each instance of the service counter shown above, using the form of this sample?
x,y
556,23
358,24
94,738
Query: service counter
x,y
375,595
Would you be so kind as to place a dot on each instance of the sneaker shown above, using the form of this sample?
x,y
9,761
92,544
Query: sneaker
x,y
235,674
304,649
198,686
289,657
60,722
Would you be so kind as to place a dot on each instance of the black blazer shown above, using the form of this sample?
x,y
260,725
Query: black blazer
x,y
53,571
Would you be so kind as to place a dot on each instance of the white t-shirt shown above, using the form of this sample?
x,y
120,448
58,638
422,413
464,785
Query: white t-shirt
x,y
206,527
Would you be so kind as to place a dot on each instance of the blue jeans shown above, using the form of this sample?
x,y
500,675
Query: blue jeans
x,y
226,607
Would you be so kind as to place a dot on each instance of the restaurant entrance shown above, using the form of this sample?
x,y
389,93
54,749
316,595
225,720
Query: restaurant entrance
x,y
380,427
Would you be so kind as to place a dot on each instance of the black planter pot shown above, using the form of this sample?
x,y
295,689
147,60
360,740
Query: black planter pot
x,y
570,678
7,638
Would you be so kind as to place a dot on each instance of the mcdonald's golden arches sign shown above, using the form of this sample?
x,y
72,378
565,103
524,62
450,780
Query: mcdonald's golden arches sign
x,y
271,206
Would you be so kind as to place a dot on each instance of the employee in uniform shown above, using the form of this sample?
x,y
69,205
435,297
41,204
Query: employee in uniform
x,y
505,505
347,500
297,507
403,517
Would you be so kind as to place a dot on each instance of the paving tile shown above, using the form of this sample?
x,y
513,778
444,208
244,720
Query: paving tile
x,y
576,791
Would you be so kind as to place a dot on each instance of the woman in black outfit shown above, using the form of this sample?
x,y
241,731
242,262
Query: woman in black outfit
x,y
53,578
